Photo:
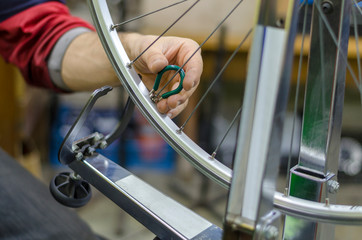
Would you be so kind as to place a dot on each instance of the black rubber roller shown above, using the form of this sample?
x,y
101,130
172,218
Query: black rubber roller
x,y
70,190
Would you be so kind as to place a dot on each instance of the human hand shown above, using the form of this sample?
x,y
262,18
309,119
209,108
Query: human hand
x,y
166,51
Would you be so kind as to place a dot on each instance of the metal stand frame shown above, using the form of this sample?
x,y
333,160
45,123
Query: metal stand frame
x,y
315,176
250,212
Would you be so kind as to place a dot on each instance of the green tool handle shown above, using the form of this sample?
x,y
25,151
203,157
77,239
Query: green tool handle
x,y
159,76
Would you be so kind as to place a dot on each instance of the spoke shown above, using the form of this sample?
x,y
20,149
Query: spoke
x,y
356,36
215,80
334,38
164,32
226,133
145,15
296,99
358,6
302,4
212,33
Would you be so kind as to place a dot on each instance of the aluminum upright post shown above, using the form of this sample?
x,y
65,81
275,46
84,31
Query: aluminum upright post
x,y
315,176
250,212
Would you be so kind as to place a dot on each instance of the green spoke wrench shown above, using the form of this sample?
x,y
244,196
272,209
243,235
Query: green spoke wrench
x,y
154,96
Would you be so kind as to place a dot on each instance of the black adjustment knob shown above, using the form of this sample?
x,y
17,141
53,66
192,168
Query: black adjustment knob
x,y
70,190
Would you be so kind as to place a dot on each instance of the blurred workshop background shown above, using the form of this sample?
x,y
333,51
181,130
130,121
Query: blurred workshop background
x,y
34,121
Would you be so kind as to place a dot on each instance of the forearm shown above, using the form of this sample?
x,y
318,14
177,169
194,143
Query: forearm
x,y
86,66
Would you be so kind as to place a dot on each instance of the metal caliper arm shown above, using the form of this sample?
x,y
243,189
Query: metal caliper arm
x,y
72,150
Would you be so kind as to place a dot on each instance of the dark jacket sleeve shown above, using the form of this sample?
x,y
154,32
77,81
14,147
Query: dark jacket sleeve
x,y
27,38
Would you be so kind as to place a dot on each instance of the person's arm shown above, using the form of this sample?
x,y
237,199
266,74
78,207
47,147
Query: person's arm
x,y
27,37
86,67
52,50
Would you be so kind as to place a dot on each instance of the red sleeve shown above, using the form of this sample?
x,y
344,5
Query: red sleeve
x,y
27,38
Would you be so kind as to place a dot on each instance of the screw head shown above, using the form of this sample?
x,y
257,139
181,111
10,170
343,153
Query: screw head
x,y
271,232
327,7
280,22
79,156
89,151
75,147
103,145
97,137
332,186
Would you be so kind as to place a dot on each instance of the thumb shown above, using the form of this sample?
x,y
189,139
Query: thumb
x,y
155,60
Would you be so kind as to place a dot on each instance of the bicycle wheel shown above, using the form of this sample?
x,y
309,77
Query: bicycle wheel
x,y
204,161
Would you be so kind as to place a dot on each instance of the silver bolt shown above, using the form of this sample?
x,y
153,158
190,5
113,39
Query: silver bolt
x,y
75,147
103,145
79,156
280,22
332,186
97,137
89,151
271,232
74,175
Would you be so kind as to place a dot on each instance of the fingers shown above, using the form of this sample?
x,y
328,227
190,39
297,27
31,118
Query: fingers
x,y
194,63
192,77
176,111
164,108
165,105
174,105
155,60
166,51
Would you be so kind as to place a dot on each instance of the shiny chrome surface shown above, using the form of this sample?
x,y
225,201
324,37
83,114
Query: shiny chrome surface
x,y
322,119
322,114
159,213
256,130
256,161
319,212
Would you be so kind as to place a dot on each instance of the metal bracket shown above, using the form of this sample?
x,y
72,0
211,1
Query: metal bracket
x,y
268,226
75,150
